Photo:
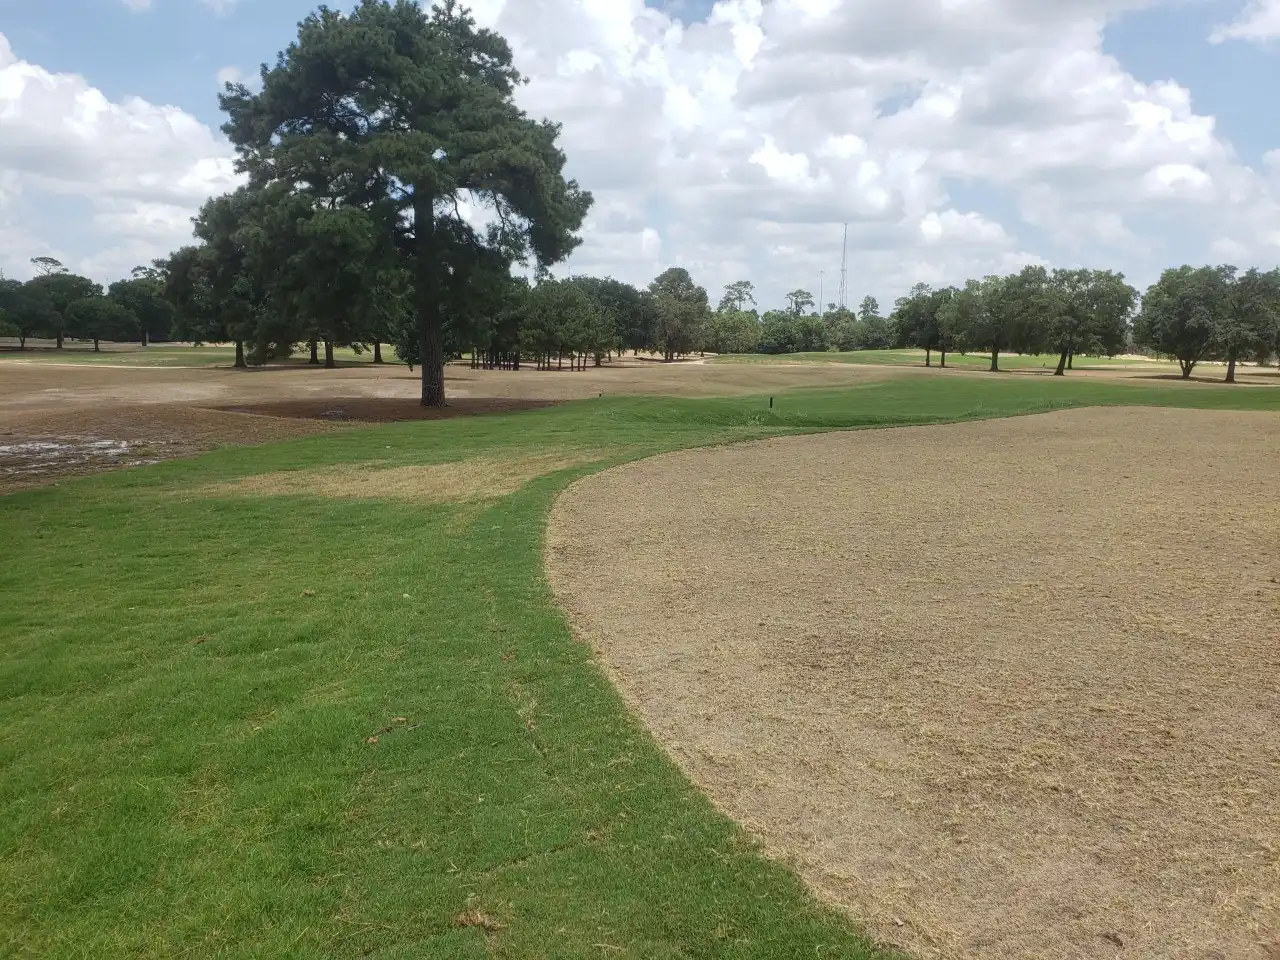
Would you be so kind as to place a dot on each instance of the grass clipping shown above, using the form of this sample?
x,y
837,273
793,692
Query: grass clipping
x,y
1003,689
461,481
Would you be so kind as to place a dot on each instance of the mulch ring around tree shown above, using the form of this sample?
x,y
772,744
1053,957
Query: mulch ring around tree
x,y
383,409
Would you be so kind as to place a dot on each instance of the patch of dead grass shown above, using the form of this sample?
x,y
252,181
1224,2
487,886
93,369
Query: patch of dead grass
x,y
463,481
1003,689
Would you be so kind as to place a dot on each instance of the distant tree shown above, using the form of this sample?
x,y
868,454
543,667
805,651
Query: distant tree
x,y
810,333
233,292
873,333
562,320
1249,315
948,310
1181,313
47,265
733,331
1000,313
26,312
915,321
143,296
785,332
737,295
842,329
1088,312
868,309
325,266
625,314
101,318
196,317
405,110
798,301
681,312
778,332
59,290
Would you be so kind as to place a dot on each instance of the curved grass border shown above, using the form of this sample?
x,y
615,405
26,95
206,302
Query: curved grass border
x,y
291,726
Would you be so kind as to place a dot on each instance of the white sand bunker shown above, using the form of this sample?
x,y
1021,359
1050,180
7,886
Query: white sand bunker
x,y
1001,689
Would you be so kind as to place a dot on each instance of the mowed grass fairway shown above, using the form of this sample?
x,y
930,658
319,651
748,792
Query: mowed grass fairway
x,y
357,725
1008,361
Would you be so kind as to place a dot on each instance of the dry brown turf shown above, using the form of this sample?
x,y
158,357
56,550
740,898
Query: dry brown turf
x,y
1001,689
59,419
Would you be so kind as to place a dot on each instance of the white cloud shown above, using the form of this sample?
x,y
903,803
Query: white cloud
x,y
220,7
137,6
232,75
141,170
745,141
1258,21
956,138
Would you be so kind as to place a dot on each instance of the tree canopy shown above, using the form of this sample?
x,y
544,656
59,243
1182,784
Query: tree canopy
x,y
681,310
404,117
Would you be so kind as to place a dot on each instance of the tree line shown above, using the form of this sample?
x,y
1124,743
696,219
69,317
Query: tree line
x,y
59,305
1192,314
378,135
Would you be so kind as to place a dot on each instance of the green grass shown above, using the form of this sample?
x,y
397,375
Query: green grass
x,y
1008,361
185,765
163,355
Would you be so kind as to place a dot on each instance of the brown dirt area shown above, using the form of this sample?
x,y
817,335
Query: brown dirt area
x,y
1000,689
475,479
61,420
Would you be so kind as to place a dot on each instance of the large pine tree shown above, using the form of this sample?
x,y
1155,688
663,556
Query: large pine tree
x,y
407,115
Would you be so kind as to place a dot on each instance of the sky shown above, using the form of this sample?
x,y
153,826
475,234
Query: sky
x,y
956,138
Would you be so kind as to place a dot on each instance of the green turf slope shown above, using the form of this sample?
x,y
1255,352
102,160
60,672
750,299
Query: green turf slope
x,y
190,681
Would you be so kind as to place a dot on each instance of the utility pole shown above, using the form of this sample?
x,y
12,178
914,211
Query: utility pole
x,y
844,270
822,307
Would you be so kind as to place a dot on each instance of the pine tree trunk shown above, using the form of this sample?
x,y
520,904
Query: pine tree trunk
x,y
96,348
1062,365
377,351
928,356
240,354
145,338
995,360
943,362
59,339
427,294
1071,359
22,341
1187,367
328,355
315,357
1231,370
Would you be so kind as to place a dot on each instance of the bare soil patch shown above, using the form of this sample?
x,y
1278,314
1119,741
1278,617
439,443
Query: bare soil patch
x,y
44,445
477,478
67,419
385,409
1000,689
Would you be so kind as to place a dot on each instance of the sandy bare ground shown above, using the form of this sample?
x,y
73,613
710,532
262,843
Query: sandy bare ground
x,y
65,419
1000,689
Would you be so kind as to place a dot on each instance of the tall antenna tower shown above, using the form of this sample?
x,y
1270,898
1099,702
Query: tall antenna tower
x,y
844,270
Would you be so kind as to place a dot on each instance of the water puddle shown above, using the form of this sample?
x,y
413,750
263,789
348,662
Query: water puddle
x,y
41,456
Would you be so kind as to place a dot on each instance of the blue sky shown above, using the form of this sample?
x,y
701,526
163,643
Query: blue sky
x,y
168,54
